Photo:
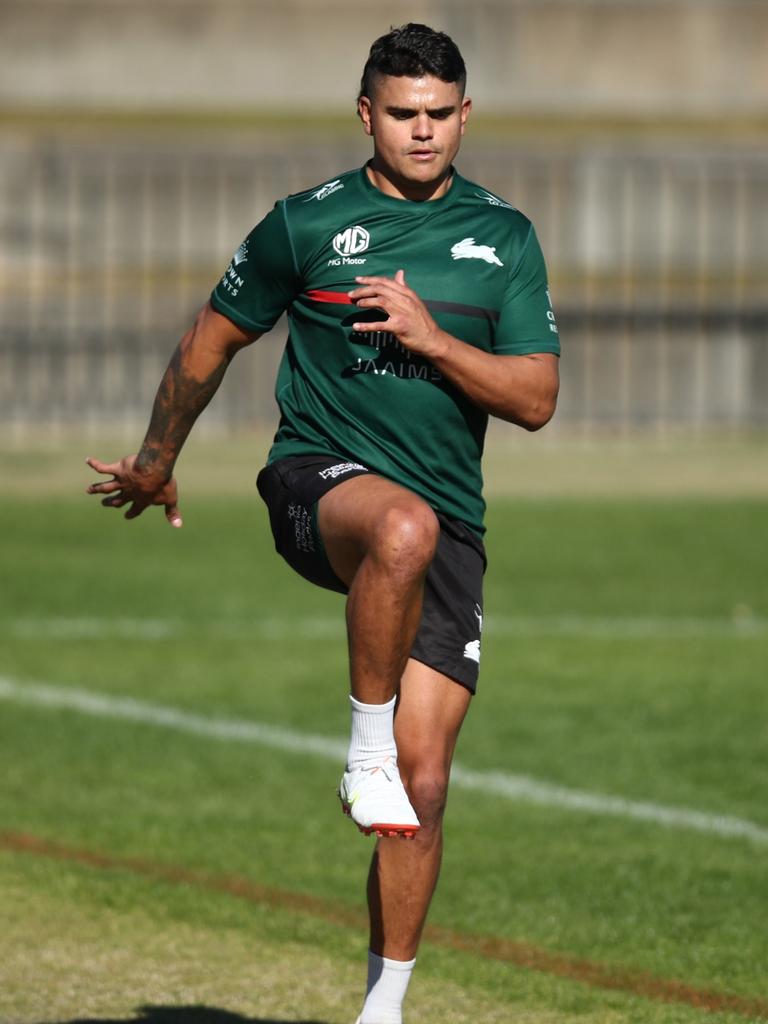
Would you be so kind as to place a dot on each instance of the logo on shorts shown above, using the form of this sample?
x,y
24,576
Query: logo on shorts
x,y
303,534
467,249
472,648
339,470
472,651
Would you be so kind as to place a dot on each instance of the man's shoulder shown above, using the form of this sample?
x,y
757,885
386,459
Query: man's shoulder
x,y
485,202
321,193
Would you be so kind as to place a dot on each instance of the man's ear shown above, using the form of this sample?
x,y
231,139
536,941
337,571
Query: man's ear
x,y
466,106
364,113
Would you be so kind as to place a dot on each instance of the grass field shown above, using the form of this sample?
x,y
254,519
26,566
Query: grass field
x,y
172,860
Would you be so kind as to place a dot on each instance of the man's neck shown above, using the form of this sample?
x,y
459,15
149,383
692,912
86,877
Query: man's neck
x,y
400,188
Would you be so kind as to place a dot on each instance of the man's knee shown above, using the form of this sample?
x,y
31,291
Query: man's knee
x,y
405,536
428,792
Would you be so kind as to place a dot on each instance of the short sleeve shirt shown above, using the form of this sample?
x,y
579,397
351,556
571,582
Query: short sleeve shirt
x,y
472,258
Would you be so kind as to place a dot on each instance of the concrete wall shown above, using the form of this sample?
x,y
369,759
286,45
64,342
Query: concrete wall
x,y
616,56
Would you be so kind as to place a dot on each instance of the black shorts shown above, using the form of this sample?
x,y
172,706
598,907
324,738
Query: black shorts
x,y
448,638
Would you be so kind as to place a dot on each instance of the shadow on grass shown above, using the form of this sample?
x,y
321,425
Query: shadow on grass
x,y
186,1015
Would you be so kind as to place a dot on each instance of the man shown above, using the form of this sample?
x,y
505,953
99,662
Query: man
x,y
418,305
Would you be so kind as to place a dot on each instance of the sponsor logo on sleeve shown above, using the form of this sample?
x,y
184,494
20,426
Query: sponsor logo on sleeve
x,y
326,190
493,200
232,282
551,315
468,249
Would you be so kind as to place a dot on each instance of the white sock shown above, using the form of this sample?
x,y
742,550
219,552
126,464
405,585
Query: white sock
x,y
387,985
372,737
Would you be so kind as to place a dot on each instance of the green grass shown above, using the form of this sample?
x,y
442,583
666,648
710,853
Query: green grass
x,y
625,655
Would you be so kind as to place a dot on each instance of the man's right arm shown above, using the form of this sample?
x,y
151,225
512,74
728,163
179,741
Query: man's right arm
x,y
194,373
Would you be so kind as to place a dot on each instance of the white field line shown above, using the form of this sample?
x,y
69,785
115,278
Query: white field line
x,y
516,788
741,625
90,628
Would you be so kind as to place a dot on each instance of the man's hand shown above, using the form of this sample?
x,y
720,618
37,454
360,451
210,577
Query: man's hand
x,y
190,382
519,388
141,489
408,318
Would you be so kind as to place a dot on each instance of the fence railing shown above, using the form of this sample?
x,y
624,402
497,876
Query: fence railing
x,y
658,266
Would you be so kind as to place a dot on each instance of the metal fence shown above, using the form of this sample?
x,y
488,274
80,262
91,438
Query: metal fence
x,y
658,264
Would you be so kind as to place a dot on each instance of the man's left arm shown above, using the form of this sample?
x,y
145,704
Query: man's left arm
x,y
519,388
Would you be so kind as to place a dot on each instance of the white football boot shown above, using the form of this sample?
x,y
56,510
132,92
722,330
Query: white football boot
x,y
373,795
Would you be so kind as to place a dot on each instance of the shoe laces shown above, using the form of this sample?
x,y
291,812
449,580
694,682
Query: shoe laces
x,y
388,766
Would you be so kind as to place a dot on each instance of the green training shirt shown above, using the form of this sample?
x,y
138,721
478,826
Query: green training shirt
x,y
473,259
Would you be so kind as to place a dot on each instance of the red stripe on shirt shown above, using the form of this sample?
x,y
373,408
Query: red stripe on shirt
x,y
340,298
438,306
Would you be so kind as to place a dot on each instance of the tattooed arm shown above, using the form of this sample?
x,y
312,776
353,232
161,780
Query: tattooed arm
x,y
194,373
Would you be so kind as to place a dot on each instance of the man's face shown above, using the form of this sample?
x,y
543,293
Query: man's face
x,y
416,125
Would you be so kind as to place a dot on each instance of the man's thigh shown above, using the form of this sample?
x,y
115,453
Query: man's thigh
x,y
292,489
449,634
323,514
373,514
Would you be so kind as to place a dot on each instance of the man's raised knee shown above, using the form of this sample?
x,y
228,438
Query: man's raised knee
x,y
406,536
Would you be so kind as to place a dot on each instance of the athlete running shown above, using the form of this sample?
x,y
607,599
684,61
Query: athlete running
x,y
418,305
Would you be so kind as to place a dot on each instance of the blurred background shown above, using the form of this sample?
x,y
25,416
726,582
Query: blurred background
x,y
623,682
140,141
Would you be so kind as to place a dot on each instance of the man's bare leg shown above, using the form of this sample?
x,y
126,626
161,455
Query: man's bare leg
x,y
380,539
403,876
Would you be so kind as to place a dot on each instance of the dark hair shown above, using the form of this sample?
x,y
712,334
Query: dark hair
x,y
413,51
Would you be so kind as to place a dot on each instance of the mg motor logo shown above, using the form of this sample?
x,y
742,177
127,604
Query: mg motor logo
x,y
348,244
351,241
